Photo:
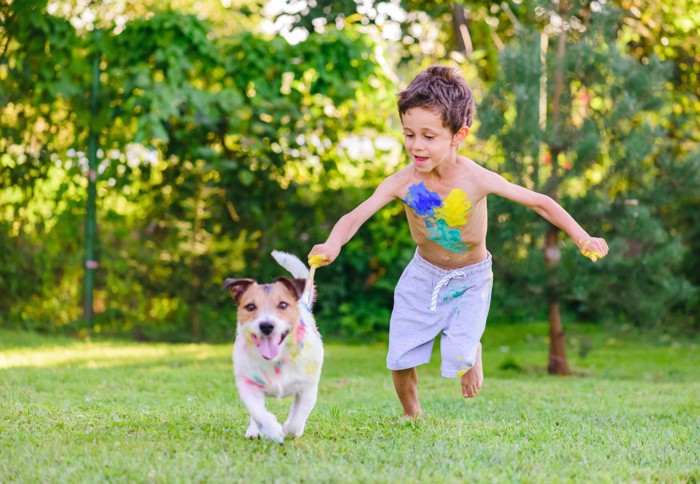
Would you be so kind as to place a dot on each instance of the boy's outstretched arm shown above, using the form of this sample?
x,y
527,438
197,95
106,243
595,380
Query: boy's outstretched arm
x,y
348,225
592,247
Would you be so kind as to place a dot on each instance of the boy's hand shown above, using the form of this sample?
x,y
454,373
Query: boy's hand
x,y
323,254
593,247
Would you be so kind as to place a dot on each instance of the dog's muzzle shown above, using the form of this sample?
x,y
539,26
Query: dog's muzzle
x,y
268,343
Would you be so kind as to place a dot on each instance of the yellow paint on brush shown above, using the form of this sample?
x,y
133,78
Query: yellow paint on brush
x,y
591,254
455,209
315,260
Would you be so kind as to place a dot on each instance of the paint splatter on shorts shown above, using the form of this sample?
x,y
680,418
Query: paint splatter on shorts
x,y
429,301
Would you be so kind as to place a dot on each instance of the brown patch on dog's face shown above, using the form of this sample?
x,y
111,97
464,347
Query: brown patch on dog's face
x,y
267,313
237,286
274,300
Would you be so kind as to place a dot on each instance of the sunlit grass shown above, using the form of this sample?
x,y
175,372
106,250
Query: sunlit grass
x,y
81,411
96,355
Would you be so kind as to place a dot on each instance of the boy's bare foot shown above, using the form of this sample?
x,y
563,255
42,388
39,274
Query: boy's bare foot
x,y
406,385
472,379
412,418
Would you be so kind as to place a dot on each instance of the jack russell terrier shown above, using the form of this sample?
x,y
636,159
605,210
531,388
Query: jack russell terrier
x,y
278,350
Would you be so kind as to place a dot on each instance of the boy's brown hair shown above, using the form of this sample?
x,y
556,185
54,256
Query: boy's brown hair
x,y
443,90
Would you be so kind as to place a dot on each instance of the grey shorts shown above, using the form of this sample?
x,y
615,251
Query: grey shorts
x,y
428,301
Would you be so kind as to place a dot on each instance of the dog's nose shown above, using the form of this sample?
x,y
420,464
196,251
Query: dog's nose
x,y
266,328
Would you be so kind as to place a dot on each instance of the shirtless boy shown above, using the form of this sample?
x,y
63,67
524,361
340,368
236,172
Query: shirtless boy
x,y
446,288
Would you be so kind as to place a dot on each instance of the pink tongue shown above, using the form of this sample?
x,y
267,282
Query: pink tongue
x,y
268,348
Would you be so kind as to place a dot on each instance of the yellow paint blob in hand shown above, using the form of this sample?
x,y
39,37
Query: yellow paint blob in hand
x,y
316,260
591,254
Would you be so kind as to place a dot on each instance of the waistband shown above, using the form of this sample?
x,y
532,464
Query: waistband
x,y
483,267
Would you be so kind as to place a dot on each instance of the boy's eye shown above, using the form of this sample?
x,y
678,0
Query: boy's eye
x,y
429,137
408,135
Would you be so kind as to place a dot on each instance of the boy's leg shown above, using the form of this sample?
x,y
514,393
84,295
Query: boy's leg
x,y
406,385
474,377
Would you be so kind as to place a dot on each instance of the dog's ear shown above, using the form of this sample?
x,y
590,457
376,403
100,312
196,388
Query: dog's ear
x,y
294,285
237,286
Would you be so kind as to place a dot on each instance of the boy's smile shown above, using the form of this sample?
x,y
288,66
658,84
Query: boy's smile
x,y
427,140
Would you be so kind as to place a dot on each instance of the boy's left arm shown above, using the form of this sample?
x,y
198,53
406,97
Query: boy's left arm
x,y
592,247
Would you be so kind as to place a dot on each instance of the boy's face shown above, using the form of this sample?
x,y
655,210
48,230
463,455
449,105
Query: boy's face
x,y
427,140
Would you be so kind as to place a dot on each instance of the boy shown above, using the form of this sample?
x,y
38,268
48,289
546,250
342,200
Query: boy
x,y
446,288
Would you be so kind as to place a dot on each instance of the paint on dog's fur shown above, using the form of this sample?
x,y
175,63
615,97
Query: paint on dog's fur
x,y
278,351
255,381
444,219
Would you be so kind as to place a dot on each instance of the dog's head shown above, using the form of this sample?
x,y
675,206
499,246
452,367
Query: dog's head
x,y
267,312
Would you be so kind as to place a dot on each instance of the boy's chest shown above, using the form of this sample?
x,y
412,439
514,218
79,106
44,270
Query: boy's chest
x,y
452,203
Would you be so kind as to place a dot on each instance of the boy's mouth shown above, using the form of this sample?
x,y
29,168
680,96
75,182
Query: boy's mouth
x,y
421,160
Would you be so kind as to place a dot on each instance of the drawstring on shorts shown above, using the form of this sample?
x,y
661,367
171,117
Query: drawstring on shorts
x,y
442,283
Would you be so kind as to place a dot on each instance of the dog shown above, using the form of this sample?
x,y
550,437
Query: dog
x,y
278,350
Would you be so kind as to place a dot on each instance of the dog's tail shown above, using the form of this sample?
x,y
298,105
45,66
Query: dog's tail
x,y
298,270
292,263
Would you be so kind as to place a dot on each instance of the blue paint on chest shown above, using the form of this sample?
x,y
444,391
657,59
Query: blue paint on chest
x,y
422,200
426,204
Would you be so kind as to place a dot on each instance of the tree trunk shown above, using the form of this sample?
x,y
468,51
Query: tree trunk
x,y
557,352
91,209
460,28
196,262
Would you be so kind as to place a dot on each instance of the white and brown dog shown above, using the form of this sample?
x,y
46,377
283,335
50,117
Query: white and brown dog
x,y
278,350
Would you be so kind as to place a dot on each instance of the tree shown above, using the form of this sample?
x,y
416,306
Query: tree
x,y
225,129
565,116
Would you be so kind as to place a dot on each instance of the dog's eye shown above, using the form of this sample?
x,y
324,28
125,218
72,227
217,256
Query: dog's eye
x,y
283,305
250,307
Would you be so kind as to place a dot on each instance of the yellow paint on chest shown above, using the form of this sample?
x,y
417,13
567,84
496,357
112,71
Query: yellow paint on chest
x,y
455,209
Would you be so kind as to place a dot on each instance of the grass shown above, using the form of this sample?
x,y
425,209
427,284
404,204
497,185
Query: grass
x,y
80,411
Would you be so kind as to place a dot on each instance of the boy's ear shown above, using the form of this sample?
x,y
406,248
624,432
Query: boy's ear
x,y
460,135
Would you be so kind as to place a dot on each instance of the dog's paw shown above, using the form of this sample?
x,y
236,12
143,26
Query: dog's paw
x,y
253,432
292,429
274,433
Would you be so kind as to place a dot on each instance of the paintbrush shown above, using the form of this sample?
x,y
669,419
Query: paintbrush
x,y
314,262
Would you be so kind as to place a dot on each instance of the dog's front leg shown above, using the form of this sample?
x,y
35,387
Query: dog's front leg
x,y
253,431
260,418
304,402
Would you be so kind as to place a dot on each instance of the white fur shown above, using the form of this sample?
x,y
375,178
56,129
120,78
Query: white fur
x,y
295,372
292,263
299,270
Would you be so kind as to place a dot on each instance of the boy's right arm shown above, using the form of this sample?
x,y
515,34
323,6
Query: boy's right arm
x,y
350,223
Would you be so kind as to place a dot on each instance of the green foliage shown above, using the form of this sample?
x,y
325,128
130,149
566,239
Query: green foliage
x,y
604,161
230,137
219,144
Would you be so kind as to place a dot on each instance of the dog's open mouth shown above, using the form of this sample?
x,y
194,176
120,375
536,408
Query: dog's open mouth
x,y
269,346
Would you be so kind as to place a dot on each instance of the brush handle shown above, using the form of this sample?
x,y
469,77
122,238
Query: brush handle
x,y
309,287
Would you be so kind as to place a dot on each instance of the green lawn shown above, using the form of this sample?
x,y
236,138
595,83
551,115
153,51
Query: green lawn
x,y
73,411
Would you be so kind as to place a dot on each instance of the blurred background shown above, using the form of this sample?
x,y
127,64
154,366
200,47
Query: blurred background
x,y
150,149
